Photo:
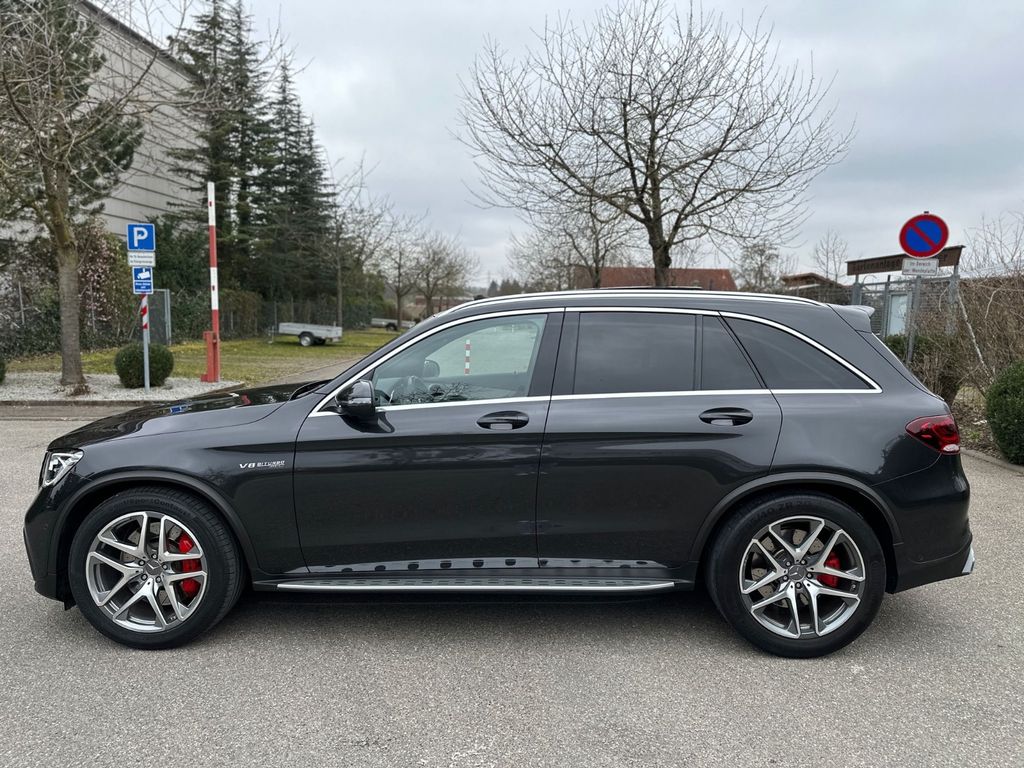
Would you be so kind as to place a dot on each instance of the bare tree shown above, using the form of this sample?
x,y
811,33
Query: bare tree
x,y
75,95
442,266
991,300
569,249
687,125
759,268
396,259
830,255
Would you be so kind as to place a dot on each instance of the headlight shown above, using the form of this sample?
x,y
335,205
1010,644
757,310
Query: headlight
x,y
56,465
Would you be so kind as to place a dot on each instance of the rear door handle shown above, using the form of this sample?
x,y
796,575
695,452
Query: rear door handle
x,y
727,417
504,420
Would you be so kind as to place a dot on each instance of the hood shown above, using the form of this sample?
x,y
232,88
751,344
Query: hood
x,y
222,409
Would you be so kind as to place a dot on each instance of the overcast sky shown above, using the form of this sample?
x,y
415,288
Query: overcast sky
x,y
934,89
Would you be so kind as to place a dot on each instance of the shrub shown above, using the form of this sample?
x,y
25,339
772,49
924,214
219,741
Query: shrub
x,y
938,362
1004,407
128,364
3,369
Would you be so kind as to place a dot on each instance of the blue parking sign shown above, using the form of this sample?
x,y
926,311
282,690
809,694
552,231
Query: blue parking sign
x,y
141,237
142,280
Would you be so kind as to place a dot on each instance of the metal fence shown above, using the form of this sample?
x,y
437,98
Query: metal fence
x,y
904,306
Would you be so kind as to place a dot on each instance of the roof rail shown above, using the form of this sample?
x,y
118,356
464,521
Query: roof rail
x,y
647,292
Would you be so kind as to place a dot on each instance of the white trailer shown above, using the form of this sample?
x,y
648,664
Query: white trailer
x,y
310,334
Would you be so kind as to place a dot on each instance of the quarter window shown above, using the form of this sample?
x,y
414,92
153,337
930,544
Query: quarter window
x,y
786,362
634,352
479,360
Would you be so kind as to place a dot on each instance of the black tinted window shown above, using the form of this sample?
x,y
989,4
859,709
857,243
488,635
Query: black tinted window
x,y
634,352
786,362
723,365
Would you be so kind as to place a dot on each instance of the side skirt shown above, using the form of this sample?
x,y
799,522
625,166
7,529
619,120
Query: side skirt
x,y
550,585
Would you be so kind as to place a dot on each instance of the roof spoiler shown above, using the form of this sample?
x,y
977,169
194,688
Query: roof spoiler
x,y
856,316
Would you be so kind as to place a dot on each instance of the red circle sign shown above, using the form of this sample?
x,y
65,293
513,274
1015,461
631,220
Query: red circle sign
x,y
924,236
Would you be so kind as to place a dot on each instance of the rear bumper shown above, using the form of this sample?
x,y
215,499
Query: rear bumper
x,y
911,574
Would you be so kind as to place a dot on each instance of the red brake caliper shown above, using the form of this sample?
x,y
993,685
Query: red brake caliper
x,y
832,561
190,587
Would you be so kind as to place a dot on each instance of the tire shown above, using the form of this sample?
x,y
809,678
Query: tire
x,y
306,339
390,327
738,562
320,342
199,602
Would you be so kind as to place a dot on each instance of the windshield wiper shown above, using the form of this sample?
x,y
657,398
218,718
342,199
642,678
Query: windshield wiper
x,y
309,387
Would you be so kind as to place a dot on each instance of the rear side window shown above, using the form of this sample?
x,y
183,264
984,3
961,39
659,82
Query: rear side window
x,y
786,362
723,365
634,352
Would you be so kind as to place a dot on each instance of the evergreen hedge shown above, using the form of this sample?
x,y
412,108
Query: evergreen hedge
x,y
1004,407
129,365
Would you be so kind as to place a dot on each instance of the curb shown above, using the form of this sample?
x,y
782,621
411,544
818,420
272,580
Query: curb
x,y
993,460
72,403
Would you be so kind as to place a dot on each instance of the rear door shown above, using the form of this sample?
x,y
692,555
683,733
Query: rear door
x,y
656,416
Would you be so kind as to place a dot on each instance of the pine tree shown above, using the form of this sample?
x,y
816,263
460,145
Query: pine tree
x,y
227,94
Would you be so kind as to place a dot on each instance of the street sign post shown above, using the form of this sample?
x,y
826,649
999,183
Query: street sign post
x,y
920,267
142,280
141,240
923,236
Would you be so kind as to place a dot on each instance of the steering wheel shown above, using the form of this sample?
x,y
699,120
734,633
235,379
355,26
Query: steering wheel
x,y
408,387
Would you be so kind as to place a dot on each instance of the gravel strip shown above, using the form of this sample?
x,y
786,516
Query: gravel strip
x,y
22,387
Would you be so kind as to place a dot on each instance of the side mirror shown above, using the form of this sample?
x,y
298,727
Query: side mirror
x,y
357,401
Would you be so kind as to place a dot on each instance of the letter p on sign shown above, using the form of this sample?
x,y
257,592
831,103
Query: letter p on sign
x,y
141,237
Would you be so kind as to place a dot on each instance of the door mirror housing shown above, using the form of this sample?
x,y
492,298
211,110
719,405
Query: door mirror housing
x,y
357,401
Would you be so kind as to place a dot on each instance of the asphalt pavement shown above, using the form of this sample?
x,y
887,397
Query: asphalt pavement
x,y
938,680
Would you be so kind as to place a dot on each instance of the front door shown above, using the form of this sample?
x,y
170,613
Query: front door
x,y
654,419
445,477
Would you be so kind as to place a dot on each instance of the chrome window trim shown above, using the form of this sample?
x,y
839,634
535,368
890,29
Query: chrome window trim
x,y
318,410
873,387
452,403
677,393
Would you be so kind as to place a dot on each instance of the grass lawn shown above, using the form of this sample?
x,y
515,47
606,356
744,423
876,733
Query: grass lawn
x,y
252,361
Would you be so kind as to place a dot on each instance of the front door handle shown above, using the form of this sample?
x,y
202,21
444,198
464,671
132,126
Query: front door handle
x,y
727,417
504,420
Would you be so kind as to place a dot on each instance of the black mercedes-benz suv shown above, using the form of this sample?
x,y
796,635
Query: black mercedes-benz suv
x,y
611,441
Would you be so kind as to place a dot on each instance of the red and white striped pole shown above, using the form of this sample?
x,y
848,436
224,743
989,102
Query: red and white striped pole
x,y
144,314
212,337
469,350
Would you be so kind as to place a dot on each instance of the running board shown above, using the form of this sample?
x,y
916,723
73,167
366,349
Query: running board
x,y
562,585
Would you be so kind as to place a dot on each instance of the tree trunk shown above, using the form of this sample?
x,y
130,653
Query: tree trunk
x,y
71,374
59,224
660,254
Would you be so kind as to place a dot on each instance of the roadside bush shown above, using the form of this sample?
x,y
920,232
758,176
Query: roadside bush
x,y
938,362
129,365
1004,407
3,369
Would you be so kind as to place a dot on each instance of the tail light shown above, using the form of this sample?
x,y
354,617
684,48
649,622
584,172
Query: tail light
x,y
938,432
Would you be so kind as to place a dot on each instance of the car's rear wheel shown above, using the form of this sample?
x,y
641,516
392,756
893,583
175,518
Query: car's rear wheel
x,y
154,568
798,575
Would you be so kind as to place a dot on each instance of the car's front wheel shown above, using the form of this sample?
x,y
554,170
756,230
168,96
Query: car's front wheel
x,y
798,575
154,568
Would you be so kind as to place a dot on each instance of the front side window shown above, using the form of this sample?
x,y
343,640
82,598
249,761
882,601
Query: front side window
x,y
479,360
634,352
786,362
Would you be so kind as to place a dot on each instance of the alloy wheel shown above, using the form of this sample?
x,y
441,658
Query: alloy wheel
x,y
147,571
802,577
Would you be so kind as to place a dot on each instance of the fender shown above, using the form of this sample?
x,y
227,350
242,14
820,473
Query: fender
x,y
767,482
140,477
